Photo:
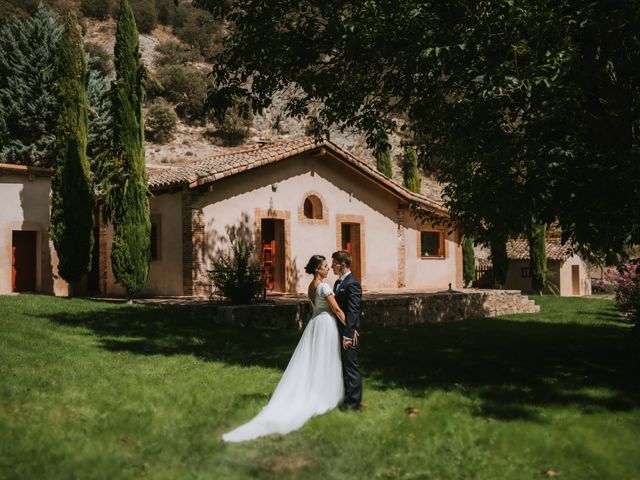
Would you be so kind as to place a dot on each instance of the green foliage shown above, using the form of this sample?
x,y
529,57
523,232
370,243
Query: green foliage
x,y
98,58
186,87
100,147
126,199
28,103
535,102
235,127
71,188
145,14
236,274
161,121
499,258
468,261
166,11
538,256
175,53
199,29
410,170
383,162
99,9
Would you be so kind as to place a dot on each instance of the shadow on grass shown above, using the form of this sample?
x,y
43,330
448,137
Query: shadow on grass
x,y
512,365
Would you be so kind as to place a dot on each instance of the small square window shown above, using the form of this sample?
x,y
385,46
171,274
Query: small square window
x,y
525,272
431,244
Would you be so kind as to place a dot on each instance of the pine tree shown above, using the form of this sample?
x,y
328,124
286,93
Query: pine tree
x,y
383,162
100,144
538,256
410,170
468,261
126,193
72,193
28,102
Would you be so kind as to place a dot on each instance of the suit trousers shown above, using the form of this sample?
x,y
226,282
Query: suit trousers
x,y
352,378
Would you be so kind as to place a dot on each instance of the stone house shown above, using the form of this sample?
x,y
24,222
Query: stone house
x,y
28,261
293,199
569,272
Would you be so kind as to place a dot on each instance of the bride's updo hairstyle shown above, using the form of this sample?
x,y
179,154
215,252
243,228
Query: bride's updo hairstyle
x,y
313,264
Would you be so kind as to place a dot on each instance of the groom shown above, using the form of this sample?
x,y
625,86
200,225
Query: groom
x,y
348,293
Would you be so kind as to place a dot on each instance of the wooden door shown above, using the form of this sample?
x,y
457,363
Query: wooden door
x,y
273,254
23,261
351,243
575,279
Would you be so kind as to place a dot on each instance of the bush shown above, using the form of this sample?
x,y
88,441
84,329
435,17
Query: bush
x,y
198,28
161,121
99,9
166,11
186,87
236,274
98,58
175,53
627,291
145,14
606,284
235,129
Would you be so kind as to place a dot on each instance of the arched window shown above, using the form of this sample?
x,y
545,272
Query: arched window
x,y
313,207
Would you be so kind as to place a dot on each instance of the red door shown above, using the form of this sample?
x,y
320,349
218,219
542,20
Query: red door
x,y
23,261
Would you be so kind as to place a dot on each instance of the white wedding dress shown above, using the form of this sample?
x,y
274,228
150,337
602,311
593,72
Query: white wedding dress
x,y
312,383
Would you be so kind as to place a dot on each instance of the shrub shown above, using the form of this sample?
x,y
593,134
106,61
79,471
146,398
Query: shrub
x,y
144,11
606,284
186,87
166,11
99,9
161,121
98,58
235,129
198,28
175,53
236,274
627,291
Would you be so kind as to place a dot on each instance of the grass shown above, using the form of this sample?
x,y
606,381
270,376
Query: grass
x,y
94,390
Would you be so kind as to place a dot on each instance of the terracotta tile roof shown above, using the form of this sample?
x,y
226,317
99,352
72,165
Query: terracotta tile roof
x,y
231,163
518,249
25,170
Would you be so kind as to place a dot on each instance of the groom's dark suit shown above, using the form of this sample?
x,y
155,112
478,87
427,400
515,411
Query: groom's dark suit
x,y
348,294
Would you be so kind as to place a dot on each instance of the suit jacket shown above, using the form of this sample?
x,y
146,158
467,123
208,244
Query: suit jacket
x,y
348,298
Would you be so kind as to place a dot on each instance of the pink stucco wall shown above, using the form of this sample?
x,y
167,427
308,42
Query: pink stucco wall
x,y
560,276
25,206
278,190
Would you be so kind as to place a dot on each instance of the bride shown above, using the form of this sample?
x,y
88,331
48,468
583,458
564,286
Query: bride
x,y
312,383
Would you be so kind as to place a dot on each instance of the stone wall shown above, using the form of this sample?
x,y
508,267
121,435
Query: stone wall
x,y
379,310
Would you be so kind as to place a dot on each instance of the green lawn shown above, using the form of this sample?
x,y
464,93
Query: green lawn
x,y
97,390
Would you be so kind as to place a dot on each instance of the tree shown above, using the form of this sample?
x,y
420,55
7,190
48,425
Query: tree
x,y
126,199
410,170
100,147
538,256
499,258
531,101
28,104
71,187
383,162
468,261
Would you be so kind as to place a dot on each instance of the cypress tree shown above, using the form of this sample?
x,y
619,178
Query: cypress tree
x,y
383,162
499,259
468,261
28,96
72,193
99,148
410,170
126,193
538,256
